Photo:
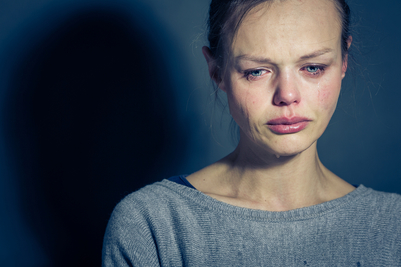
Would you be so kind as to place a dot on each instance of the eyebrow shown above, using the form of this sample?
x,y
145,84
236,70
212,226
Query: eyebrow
x,y
263,60
317,53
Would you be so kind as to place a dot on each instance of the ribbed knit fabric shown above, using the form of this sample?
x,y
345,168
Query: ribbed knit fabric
x,y
168,224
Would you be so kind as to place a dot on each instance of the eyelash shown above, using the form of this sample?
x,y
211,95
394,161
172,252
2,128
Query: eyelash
x,y
320,69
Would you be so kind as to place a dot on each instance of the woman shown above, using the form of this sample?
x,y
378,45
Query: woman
x,y
271,202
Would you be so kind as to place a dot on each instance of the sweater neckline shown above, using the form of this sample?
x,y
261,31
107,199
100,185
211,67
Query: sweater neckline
x,y
207,202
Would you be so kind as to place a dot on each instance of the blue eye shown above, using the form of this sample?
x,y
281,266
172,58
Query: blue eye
x,y
253,75
312,69
256,73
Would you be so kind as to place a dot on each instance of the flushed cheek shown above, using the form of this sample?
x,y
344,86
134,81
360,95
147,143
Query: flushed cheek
x,y
328,96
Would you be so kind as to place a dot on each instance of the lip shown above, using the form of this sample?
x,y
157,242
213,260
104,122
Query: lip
x,y
288,125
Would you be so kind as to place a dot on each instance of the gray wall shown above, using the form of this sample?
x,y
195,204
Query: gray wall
x,y
74,142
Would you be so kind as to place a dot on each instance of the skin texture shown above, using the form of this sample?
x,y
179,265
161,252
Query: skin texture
x,y
285,62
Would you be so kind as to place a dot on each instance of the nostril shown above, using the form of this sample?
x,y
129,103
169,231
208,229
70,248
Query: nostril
x,y
286,96
286,103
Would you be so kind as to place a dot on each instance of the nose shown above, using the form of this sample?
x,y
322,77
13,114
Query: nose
x,y
286,92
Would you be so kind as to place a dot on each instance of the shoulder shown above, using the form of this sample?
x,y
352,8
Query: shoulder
x,y
382,212
135,222
156,206
384,202
379,206
385,223
149,199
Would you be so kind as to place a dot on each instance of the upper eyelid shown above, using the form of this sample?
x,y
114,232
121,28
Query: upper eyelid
x,y
256,69
273,69
313,64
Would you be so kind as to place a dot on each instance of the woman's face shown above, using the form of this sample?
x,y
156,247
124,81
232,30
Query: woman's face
x,y
284,74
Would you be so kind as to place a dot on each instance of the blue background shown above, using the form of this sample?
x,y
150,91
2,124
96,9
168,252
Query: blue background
x,y
99,98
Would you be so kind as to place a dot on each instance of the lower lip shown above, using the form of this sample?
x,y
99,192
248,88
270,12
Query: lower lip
x,y
288,128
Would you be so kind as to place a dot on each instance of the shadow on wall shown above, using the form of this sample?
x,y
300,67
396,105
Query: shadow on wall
x,y
90,115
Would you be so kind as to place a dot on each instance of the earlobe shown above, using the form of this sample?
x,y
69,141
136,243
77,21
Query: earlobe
x,y
345,65
211,63
349,42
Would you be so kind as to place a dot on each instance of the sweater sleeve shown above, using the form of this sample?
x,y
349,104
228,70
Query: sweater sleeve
x,y
128,240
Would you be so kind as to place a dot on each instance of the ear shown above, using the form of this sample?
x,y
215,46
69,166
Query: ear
x,y
211,63
345,60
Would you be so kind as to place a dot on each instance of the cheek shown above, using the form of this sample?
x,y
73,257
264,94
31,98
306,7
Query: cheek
x,y
244,105
328,96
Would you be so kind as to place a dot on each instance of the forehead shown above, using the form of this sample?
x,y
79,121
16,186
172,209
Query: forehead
x,y
290,27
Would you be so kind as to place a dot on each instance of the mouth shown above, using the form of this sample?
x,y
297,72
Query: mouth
x,y
288,125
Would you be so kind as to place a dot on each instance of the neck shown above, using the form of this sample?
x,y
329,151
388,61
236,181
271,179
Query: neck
x,y
283,183
257,179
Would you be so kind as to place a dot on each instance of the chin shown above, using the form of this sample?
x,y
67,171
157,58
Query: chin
x,y
290,147
285,145
288,153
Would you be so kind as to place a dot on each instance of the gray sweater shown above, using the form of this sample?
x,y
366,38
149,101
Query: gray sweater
x,y
168,224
